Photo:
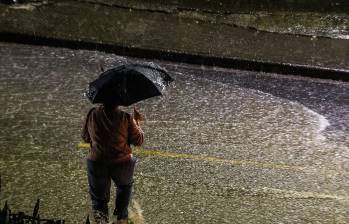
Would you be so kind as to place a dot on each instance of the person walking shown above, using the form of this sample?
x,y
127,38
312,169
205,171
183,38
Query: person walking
x,y
110,132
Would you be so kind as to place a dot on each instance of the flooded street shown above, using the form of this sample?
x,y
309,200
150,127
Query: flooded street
x,y
222,146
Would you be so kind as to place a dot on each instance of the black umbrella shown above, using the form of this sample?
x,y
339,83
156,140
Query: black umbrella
x,y
128,84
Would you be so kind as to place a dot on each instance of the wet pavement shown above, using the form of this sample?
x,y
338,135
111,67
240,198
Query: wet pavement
x,y
222,146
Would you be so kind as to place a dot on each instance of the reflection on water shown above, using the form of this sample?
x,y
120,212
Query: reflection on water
x,y
195,135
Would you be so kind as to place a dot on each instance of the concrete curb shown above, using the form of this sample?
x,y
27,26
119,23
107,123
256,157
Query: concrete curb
x,y
235,63
176,36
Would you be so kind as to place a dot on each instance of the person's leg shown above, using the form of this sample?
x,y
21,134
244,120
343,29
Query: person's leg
x,y
122,200
99,188
122,175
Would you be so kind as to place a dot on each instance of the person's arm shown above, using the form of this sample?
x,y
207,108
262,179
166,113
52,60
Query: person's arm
x,y
136,134
84,134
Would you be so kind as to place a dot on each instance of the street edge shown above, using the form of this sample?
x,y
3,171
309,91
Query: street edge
x,y
234,63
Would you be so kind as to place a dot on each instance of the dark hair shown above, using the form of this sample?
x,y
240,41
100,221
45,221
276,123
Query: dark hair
x,y
109,108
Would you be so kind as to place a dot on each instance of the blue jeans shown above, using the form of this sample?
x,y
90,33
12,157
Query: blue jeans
x,y
100,175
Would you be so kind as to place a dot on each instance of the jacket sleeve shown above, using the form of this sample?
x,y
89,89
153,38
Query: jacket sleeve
x,y
85,134
135,132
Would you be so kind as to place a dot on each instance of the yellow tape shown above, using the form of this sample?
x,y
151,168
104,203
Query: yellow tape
x,y
256,164
165,154
83,145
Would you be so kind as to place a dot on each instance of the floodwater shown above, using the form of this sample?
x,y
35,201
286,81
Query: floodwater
x,y
222,146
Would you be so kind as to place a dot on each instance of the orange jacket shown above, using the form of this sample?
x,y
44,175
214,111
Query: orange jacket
x,y
110,136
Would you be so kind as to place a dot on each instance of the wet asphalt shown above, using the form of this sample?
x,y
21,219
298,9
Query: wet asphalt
x,y
222,145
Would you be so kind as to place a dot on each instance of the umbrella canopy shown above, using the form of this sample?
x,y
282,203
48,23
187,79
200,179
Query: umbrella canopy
x,y
128,84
